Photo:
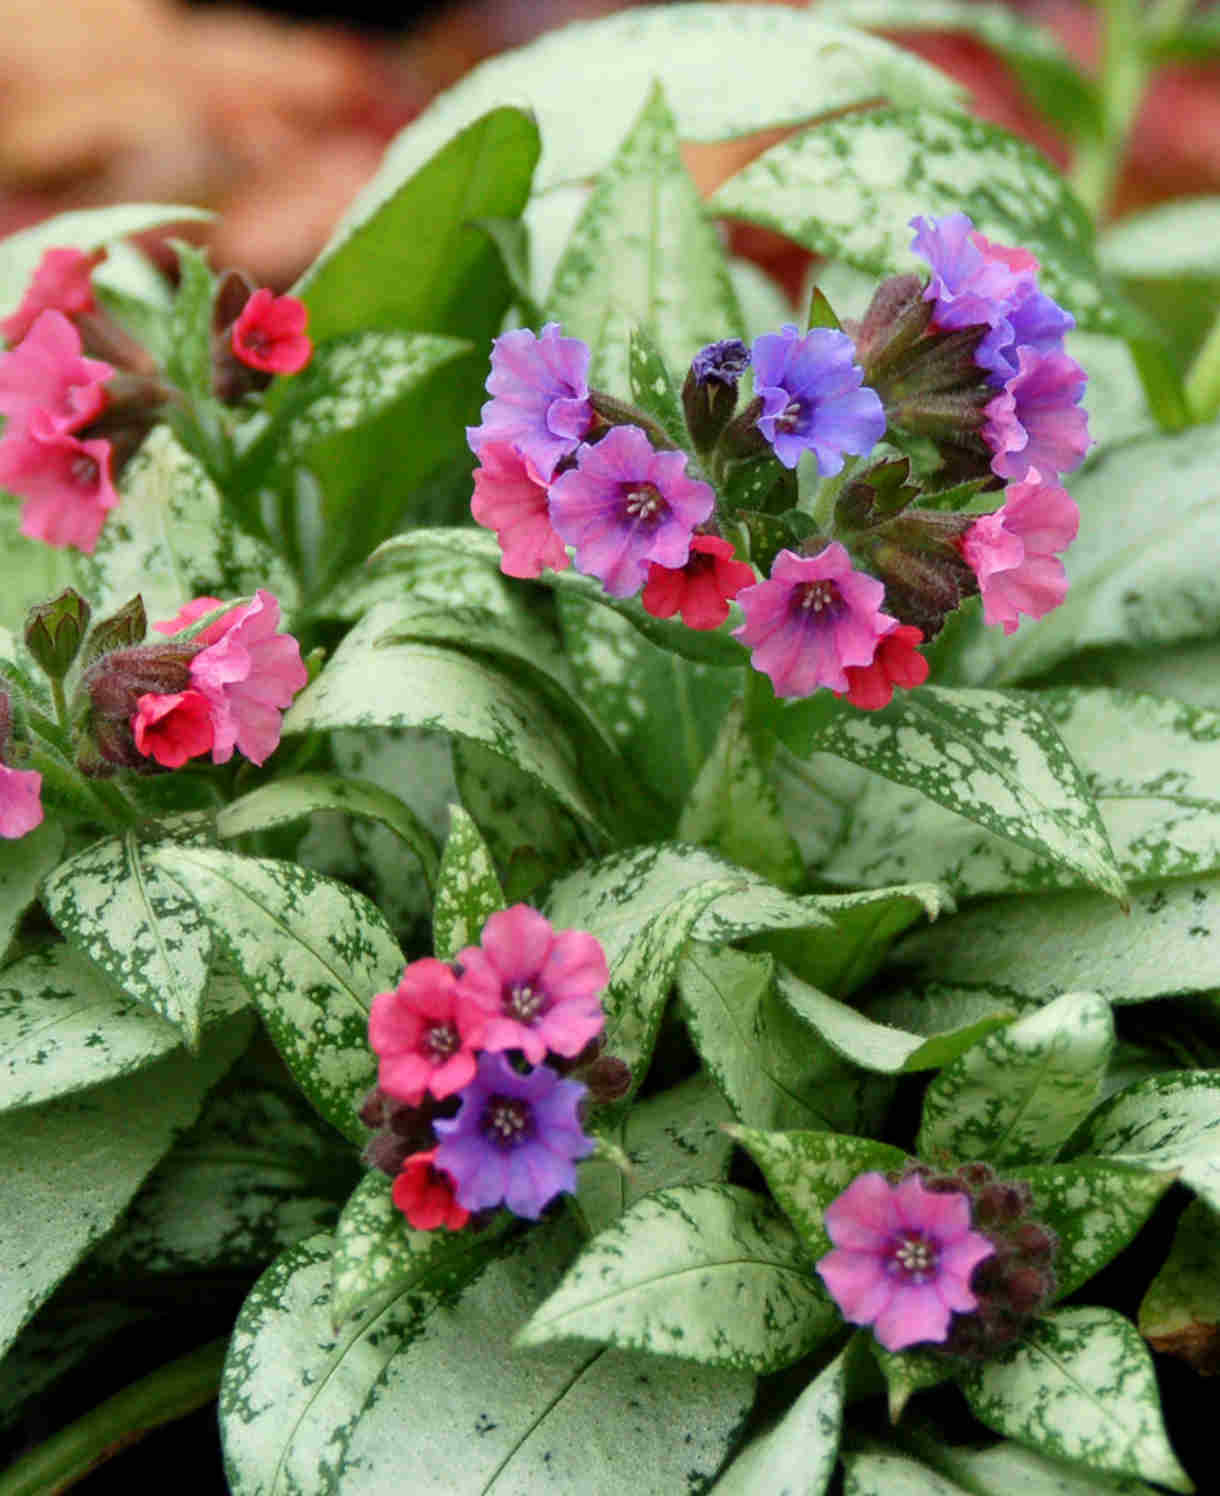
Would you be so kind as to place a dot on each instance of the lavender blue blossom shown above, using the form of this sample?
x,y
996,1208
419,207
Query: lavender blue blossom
x,y
540,397
812,397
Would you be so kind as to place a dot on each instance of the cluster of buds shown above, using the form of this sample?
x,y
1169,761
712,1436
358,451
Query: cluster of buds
x,y
970,359
954,1262
79,393
486,1066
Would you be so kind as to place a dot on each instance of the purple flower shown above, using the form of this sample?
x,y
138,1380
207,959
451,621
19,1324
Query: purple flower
x,y
540,397
721,363
625,505
1036,422
903,1258
814,617
812,397
515,1140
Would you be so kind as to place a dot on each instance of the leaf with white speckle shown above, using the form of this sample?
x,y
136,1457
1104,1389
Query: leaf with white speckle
x,y
1180,1313
879,1472
1006,1467
467,889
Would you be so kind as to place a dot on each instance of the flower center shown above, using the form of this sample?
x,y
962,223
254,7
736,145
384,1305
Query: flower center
x,y
816,597
644,503
790,417
914,1258
442,1040
507,1121
523,1002
84,470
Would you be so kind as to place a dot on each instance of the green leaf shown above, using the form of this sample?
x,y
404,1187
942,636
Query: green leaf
x,y
848,188
85,230
1176,239
1180,1313
119,908
311,952
24,864
797,1457
1168,1122
805,1171
1005,1468
908,1372
772,1067
61,1335
1094,1209
190,346
286,800
1081,1388
467,889
878,1472
728,70
30,570
1020,1093
707,1272
64,1029
306,1410
672,1138
644,253
993,757
652,389
170,539
111,1136
1043,944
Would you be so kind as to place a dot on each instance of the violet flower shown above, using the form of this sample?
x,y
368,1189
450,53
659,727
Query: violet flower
x,y
1037,422
540,397
813,400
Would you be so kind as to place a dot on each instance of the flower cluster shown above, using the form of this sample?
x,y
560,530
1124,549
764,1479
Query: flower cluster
x,y
972,358
72,421
954,1261
475,1096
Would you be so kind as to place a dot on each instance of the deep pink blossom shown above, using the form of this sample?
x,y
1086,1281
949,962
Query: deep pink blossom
x,y
813,619
172,728
195,609
425,1195
701,589
66,484
61,283
896,663
249,676
426,1033
625,505
814,397
1037,421
270,335
20,802
542,985
510,497
515,1140
1013,552
540,397
903,1258
46,376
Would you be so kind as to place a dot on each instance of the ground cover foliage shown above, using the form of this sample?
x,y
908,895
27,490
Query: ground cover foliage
x,y
978,926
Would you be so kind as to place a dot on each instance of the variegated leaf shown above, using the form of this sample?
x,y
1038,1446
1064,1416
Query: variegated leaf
x,y
883,1472
467,889
1180,1313
24,863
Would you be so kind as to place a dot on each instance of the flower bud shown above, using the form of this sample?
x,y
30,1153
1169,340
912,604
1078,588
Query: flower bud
x,y
709,394
918,557
109,694
897,318
126,627
54,630
608,1079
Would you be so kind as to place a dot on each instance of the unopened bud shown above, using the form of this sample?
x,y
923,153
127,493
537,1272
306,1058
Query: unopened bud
x,y
918,556
709,393
54,631
741,438
897,318
121,630
386,1151
608,1079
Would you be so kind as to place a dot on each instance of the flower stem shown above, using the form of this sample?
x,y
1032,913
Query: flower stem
x,y
1203,377
1122,87
61,704
169,1392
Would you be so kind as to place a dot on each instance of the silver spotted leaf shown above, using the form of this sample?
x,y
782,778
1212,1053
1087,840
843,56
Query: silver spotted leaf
x,y
467,889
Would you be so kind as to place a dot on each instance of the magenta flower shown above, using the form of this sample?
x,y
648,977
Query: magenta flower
x,y
173,728
270,335
426,1033
540,397
61,283
510,497
815,617
543,986
20,802
249,676
66,484
515,1139
903,1258
189,612
1037,422
46,376
1013,551
625,505
812,397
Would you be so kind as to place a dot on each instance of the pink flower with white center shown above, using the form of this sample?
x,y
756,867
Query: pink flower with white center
x,y
903,1258
426,1033
541,986
270,335
61,283
625,505
1012,552
66,484
45,376
1037,422
896,663
812,619
249,676
510,498
172,728
540,397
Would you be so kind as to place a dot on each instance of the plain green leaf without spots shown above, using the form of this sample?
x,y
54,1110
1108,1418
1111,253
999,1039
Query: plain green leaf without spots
x,y
1180,1313
190,341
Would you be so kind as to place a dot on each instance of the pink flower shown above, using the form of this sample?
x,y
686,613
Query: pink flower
x,y
171,729
1036,422
20,805
249,675
425,1195
896,663
66,483
426,1033
903,1258
701,589
1012,552
61,283
270,334
813,619
510,498
540,397
540,986
189,612
46,375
